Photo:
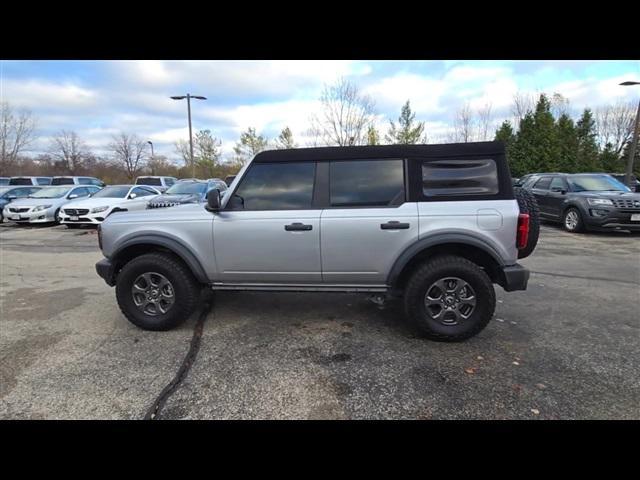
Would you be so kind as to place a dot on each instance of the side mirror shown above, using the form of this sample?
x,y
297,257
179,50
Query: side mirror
x,y
73,195
213,200
132,196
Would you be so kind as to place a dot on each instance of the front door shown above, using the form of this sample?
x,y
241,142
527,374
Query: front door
x,y
269,231
556,197
367,223
540,190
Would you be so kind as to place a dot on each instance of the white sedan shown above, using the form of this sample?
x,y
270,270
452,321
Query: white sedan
x,y
114,198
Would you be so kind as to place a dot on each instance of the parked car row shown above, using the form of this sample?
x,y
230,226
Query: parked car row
x,y
584,201
58,180
77,204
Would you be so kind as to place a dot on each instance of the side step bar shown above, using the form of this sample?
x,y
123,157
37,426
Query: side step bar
x,y
299,287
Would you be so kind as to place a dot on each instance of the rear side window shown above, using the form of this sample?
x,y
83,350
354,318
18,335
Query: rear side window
x,y
154,182
543,183
557,184
62,181
366,183
276,186
169,181
20,181
44,181
458,177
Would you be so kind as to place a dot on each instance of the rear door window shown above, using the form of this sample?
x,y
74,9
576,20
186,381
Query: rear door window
x,y
557,184
366,183
44,181
63,181
543,183
20,181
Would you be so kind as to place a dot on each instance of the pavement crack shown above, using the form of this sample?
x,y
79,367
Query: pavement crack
x,y
153,412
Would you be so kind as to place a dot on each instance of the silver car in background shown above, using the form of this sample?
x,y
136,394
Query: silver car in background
x,y
44,205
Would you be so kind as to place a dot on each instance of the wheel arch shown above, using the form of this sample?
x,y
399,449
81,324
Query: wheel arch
x,y
140,245
471,248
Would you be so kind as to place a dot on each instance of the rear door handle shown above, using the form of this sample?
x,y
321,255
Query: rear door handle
x,y
394,225
297,227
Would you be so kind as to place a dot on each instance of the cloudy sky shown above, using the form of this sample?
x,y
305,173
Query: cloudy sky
x,y
100,98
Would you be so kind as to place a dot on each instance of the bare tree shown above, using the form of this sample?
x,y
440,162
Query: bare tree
x,y
484,123
17,131
522,103
463,125
129,151
614,124
559,105
68,151
346,115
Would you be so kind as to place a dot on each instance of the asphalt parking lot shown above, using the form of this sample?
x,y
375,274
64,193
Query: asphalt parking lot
x,y
567,348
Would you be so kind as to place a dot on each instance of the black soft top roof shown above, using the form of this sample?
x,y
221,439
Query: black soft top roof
x,y
380,151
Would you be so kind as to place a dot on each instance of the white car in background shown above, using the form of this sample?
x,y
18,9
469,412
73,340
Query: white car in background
x,y
114,198
45,204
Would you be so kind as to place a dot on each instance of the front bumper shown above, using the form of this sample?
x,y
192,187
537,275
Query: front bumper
x,y
105,269
42,216
513,277
84,219
612,219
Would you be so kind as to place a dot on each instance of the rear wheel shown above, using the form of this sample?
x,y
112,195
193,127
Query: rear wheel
x,y
528,204
156,291
572,220
449,298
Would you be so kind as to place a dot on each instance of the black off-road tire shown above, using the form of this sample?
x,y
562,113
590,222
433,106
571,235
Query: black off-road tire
x,y
186,290
528,204
441,267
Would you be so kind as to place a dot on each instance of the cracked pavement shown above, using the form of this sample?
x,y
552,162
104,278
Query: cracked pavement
x,y
567,348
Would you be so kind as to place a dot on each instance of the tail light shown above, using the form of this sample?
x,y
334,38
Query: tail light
x,y
100,236
522,235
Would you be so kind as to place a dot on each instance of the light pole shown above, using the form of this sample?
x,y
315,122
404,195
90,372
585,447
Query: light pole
x,y
634,140
188,96
152,165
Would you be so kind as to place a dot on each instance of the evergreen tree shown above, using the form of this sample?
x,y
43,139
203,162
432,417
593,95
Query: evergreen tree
x,y
408,130
505,135
285,139
610,161
544,137
373,137
568,144
587,154
523,156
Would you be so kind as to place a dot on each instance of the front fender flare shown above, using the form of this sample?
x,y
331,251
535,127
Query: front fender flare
x,y
172,244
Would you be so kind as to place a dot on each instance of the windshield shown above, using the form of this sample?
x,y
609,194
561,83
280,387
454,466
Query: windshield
x,y
4,190
51,192
595,183
112,192
184,188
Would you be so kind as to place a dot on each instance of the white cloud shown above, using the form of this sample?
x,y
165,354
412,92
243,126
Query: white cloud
x,y
37,94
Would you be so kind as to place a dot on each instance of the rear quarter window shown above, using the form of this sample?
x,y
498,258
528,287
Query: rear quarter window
x,y
459,177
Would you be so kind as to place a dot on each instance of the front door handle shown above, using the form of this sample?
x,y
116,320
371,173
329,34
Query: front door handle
x,y
394,225
298,227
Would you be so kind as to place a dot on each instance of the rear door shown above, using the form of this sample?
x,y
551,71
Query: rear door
x,y
556,196
367,222
540,189
269,230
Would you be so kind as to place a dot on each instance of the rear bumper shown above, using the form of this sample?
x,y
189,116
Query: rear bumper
x,y
513,278
105,269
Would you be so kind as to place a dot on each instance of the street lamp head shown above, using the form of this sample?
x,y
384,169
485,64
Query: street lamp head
x,y
626,84
178,97
199,98
149,142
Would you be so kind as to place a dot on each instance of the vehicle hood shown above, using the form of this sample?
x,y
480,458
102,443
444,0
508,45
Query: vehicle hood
x,y
179,213
34,202
182,198
611,195
95,202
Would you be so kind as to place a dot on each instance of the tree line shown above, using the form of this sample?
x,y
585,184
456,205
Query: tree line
x,y
542,135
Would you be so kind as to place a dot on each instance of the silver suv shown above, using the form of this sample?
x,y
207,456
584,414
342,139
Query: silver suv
x,y
437,225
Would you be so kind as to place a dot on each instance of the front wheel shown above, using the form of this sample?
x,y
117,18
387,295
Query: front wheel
x,y
156,291
572,220
449,298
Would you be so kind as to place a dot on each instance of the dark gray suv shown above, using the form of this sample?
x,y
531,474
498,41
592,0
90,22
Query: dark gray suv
x,y
586,201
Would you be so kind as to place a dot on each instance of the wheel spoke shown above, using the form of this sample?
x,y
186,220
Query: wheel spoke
x,y
153,293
